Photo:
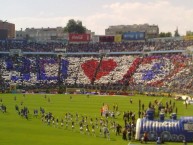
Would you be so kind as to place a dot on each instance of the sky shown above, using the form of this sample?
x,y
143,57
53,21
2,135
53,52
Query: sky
x,y
98,15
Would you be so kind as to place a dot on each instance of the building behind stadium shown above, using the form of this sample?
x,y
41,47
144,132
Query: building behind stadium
x,y
7,30
44,34
127,33
151,31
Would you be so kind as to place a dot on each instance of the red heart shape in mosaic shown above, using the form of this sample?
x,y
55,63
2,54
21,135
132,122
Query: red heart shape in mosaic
x,y
90,66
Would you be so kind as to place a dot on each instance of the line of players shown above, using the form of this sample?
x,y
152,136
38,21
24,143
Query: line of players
x,y
86,125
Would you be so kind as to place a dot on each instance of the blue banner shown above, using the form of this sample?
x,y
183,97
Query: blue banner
x,y
134,36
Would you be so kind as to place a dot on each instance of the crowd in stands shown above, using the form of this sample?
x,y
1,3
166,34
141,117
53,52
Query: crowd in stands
x,y
173,71
30,46
171,45
131,46
95,47
182,80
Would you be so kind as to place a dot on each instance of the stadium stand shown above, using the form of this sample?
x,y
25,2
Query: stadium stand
x,y
95,47
155,64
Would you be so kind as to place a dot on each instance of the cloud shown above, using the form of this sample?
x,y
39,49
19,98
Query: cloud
x,y
162,13
41,21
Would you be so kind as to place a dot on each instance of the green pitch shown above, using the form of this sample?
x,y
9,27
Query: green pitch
x,y
16,130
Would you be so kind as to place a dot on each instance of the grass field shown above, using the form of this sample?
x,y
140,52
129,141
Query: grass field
x,y
16,130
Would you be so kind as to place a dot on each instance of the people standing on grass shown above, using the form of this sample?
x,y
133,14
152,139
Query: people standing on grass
x,y
62,123
125,117
3,108
93,130
100,131
53,121
105,131
96,122
129,134
87,130
131,100
186,104
124,137
57,122
81,128
66,124
25,112
143,107
106,125
35,113
16,107
73,126
139,114
118,129
101,111
145,135
116,107
48,121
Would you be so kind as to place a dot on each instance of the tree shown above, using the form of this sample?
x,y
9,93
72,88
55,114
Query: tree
x,y
74,27
168,34
163,34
